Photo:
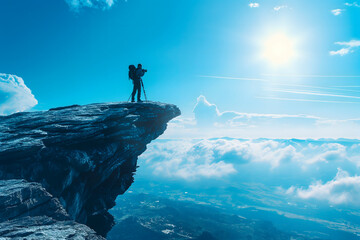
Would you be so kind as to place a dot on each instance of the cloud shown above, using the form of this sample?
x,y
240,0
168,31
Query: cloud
x,y
349,47
17,95
278,8
208,121
254,5
343,189
185,159
311,76
340,52
327,152
315,93
192,159
306,100
208,115
351,44
337,12
354,4
78,4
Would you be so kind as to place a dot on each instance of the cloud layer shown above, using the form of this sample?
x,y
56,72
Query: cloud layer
x,y
303,169
214,158
17,96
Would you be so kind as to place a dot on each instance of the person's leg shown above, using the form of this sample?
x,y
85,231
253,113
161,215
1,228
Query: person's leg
x,y
133,92
139,92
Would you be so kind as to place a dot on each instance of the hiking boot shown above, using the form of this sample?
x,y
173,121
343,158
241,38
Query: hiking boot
x,y
139,100
132,100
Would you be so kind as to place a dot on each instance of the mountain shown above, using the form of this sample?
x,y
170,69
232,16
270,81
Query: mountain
x,y
82,157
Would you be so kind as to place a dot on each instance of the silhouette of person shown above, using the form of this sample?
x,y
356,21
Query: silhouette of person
x,y
139,72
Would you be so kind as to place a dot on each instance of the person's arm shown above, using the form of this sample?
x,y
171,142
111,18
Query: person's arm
x,y
140,72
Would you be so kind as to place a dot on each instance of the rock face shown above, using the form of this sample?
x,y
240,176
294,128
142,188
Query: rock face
x,y
28,211
19,198
45,228
83,155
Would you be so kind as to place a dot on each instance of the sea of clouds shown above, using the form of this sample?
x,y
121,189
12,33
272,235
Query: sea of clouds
x,y
320,170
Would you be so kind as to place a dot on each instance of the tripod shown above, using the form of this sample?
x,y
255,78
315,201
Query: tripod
x,y
142,84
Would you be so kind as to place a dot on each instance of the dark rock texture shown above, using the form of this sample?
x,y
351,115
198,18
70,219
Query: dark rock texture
x,y
19,198
83,155
45,228
27,211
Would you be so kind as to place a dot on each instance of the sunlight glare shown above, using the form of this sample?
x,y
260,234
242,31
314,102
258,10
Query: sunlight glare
x,y
279,49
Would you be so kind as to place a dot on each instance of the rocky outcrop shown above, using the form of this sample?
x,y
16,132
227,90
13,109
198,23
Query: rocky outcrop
x,y
19,198
45,228
85,156
28,211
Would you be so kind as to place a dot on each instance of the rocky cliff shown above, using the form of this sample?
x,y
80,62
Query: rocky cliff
x,y
28,211
83,157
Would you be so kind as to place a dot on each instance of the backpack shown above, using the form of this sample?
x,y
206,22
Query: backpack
x,y
132,72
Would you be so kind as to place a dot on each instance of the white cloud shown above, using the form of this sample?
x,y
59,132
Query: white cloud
x,y
205,112
212,158
340,52
315,93
337,12
327,152
78,4
278,8
349,47
185,159
208,122
18,96
208,115
254,5
343,189
354,4
351,44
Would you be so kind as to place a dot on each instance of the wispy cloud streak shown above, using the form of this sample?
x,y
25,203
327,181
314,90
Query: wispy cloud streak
x,y
304,100
347,86
234,78
279,84
311,76
315,93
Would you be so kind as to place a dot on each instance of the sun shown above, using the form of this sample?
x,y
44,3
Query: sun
x,y
279,49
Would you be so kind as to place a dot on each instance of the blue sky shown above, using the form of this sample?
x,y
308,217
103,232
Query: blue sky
x,y
219,61
74,52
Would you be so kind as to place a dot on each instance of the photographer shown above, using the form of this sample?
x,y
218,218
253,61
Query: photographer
x,y
137,81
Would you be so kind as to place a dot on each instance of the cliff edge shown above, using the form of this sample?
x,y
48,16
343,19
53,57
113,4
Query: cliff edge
x,y
84,156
